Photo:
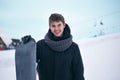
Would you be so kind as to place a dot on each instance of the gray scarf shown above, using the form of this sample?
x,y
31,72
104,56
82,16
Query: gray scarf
x,y
61,45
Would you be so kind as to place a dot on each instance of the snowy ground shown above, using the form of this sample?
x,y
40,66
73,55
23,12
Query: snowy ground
x,y
7,65
101,58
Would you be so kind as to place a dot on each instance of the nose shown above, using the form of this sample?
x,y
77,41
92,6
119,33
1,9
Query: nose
x,y
56,27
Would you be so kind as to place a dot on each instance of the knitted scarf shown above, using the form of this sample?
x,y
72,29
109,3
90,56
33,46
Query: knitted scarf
x,y
59,43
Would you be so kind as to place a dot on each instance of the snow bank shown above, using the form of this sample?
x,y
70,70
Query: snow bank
x,y
101,57
7,65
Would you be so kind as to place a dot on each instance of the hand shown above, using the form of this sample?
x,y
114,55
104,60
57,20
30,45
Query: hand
x,y
26,39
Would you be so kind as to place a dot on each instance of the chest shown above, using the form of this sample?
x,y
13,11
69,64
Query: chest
x,y
53,57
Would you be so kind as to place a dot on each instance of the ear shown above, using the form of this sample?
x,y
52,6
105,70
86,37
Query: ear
x,y
49,26
64,25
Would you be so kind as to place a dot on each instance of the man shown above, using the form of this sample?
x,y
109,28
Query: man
x,y
58,57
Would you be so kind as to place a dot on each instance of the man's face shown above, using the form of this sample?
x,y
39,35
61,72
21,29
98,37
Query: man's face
x,y
57,28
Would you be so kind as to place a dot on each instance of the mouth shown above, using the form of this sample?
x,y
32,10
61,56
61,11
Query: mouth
x,y
57,32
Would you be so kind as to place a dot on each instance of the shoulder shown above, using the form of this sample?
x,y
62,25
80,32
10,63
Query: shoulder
x,y
40,42
74,44
75,47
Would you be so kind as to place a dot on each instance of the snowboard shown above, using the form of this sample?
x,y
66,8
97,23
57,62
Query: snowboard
x,y
25,59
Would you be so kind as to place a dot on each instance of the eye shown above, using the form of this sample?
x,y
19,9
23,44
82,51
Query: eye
x,y
53,25
59,25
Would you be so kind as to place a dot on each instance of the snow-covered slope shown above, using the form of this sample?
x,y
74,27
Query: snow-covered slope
x,y
101,58
7,65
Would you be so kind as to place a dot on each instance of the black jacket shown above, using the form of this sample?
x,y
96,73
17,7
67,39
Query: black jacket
x,y
59,65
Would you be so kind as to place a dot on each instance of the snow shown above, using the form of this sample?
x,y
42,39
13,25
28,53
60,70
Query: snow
x,y
7,65
100,57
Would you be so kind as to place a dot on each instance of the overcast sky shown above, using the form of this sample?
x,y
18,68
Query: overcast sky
x,y
86,18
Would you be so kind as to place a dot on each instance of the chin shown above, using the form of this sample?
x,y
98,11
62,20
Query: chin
x,y
57,35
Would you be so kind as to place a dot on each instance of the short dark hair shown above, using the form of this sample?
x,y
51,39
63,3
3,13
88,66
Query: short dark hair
x,y
56,17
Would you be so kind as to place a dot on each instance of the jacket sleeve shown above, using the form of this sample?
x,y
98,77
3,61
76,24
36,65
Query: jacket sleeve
x,y
39,47
37,52
77,63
